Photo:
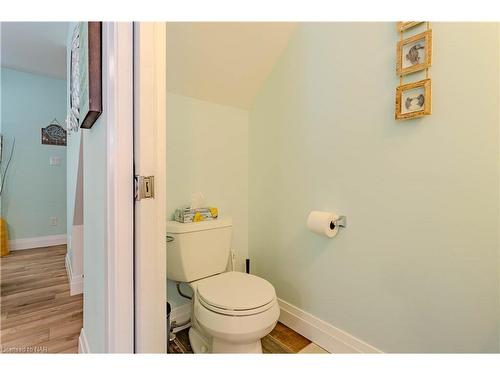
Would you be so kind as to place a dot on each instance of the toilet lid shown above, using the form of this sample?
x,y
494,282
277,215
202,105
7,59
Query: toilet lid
x,y
236,291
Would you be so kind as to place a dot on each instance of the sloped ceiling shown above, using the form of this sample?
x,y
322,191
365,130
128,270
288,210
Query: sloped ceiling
x,y
35,47
222,62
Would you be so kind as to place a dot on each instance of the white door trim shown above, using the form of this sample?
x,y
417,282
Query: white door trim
x,y
75,281
118,37
150,160
83,345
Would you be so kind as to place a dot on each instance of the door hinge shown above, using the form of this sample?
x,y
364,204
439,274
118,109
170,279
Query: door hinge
x,y
144,187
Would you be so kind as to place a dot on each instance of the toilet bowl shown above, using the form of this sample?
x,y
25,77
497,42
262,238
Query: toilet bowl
x,y
232,311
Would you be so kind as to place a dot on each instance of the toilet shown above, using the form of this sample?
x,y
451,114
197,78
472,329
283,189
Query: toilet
x,y
232,311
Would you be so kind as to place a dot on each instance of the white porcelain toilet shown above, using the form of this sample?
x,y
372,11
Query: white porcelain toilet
x,y
232,311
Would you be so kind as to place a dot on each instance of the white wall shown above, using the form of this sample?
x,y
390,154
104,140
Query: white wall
x,y
416,270
207,151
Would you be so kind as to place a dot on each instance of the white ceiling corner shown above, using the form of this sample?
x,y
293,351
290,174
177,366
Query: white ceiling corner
x,y
35,47
223,62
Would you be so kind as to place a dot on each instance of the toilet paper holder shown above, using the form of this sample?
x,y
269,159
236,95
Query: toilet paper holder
x,y
340,222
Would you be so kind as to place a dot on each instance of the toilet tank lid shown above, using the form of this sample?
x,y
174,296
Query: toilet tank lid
x,y
176,227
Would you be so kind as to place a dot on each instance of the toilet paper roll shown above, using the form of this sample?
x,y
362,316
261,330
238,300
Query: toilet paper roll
x,y
322,223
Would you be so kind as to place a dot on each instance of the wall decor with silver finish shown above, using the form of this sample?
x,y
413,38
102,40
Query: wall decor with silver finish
x,y
54,134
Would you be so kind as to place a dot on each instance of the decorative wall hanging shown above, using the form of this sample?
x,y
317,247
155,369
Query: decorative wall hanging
x,y
74,82
413,99
402,26
86,74
54,134
414,54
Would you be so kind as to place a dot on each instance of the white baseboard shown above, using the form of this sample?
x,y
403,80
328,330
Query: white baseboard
x,y
181,314
34,242
320,332
83,345
75,281
323,334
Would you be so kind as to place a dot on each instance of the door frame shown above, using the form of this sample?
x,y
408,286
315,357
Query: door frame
x,y
135,91
118,93
150,273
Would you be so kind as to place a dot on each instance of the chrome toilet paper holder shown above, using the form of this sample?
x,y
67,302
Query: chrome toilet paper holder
x,y
340,222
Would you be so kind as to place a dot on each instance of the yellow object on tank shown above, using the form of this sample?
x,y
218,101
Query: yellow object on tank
x,y
4,238
198,217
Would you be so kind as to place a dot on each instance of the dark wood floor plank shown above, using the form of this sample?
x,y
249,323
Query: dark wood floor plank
x,y
281,340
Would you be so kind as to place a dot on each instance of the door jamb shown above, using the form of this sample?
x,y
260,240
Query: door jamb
x,y
118,95
150,160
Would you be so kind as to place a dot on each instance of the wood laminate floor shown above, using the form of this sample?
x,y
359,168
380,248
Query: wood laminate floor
x,y
280,340
37,313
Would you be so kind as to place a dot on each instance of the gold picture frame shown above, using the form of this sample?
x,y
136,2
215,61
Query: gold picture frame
x,y
402,26
413,100
414,53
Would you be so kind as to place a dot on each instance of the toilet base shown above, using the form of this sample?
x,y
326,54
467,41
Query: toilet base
x,y
200,344
219,346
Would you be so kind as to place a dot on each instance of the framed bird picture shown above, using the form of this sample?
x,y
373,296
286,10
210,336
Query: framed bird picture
x,y
413,100
414,53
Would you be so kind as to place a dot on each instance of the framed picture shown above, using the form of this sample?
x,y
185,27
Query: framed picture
x,y
54,134
413,100
402,26
89,73
414,53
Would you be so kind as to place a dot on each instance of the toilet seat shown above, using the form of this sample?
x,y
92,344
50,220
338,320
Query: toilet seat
x,y
236,294
234,312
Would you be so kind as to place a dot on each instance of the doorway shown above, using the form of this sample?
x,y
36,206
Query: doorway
x,y
41,268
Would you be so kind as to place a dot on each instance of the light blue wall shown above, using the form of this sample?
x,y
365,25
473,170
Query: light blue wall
x,y
94,234
34,190
416,270
94,218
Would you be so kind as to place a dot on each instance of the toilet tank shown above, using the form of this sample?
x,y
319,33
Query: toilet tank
x,y
197,250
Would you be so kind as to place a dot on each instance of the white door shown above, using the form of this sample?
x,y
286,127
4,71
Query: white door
x,y
150,160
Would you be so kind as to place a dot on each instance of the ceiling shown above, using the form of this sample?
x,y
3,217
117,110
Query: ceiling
x,y
221,62
35,47
225,63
